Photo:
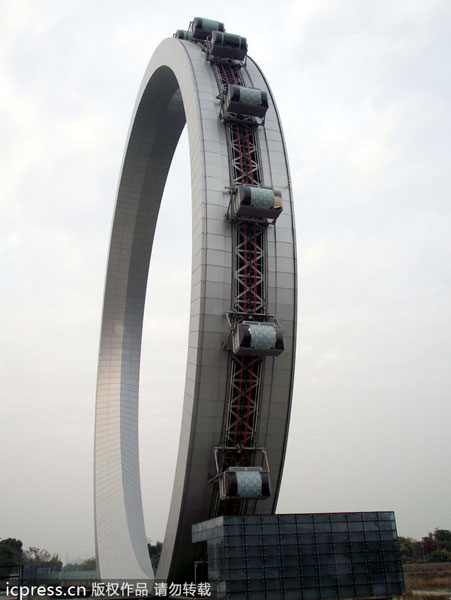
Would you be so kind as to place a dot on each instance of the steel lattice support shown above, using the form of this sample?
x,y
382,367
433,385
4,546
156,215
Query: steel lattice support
x,y
227,73
242,406
248,296
243,154
249,274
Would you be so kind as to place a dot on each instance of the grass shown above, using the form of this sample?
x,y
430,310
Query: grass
x,y
428,581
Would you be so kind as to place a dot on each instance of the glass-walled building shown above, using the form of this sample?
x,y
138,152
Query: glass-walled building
x,y
302,556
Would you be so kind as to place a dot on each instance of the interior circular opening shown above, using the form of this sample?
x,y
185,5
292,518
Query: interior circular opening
x,y
165,344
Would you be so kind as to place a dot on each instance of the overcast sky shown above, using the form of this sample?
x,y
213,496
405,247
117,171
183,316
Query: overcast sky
x,y
364,91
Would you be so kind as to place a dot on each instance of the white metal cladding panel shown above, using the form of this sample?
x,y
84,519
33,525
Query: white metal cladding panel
x,y
120,537
121,543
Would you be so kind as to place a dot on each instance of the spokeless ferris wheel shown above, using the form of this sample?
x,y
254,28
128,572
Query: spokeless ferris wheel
x,y
242,333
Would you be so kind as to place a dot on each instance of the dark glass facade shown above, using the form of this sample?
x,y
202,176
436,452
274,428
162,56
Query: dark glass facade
x,y
303,556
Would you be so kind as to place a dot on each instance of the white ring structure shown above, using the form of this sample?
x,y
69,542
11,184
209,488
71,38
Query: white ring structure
x,y
179,86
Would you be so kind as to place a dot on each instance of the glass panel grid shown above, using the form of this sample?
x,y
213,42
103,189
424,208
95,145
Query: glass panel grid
x,y
338,555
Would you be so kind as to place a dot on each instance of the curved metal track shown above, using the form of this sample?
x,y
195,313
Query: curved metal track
x,y
236,266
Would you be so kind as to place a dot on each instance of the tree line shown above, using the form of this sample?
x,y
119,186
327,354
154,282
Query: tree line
x,y
432,548
12,554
